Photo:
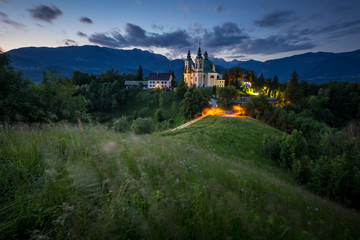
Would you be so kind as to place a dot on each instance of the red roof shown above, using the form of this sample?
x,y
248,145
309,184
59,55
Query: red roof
x,y
159,76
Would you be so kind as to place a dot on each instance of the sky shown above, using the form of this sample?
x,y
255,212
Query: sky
x,y
237,29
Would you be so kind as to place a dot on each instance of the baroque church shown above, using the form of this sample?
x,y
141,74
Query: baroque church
x,y
202,73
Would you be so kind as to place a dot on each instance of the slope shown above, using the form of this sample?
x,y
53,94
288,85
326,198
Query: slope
x,y
208,181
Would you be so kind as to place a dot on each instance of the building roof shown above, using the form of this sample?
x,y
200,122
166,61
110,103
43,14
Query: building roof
x,y
159,76
127,83
209,67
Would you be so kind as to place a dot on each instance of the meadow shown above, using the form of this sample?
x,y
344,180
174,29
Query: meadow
x,y
211,180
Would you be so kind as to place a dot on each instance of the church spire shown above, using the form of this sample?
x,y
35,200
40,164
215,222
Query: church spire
x,y
199,52
188,55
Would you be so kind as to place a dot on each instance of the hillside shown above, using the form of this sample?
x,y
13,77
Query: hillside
x,y
208,181
315,67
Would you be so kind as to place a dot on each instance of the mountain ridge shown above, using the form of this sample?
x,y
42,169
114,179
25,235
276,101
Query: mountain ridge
x,y
314,67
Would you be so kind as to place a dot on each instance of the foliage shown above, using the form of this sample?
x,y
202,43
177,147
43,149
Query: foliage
x,y
193,103
142,125
121,124
52,100
181,90
227,94
330,168
140,74
159,115
293,92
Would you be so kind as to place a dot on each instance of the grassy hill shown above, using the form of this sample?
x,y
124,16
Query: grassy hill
x,y
210,180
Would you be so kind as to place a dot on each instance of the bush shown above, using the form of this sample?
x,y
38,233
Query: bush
x,y
121,124
142,125
159,115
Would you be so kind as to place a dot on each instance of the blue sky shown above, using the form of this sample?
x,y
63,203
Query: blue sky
x,y
256,29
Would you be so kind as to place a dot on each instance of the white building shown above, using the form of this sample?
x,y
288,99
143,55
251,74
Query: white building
x,y
159,80
202,73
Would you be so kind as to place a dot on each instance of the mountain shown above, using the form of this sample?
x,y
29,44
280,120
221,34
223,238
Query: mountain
x,y
314,67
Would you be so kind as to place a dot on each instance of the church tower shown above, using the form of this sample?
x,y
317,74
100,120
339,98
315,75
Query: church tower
x,y
188,70
199,77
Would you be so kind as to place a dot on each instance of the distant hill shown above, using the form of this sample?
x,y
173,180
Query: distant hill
x,y
315,67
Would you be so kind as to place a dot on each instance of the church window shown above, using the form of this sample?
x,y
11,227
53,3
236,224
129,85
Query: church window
x,y
200,65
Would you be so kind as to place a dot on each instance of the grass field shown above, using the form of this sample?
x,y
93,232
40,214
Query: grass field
x,y
210,180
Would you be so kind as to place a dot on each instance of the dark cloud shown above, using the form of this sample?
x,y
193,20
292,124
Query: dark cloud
x,y
45,13
276,19
339,26
219,9
275,44
226,35
69,42
4,1
157,27
86,20
7,20
81,34
107,41
137,37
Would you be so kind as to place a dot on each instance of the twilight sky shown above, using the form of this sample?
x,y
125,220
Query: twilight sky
x,y
241,29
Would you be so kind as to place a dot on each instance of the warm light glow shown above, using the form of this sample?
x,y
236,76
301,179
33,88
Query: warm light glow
x,y
236,112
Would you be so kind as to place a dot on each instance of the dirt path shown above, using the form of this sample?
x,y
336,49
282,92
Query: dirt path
x,y
186,124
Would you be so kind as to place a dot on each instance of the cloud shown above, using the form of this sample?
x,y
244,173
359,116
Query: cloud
x,y
157,27
81,34
219,9
69,42
135,36
86,20
276,19
226,35
7,20
4,1
45,13
274,44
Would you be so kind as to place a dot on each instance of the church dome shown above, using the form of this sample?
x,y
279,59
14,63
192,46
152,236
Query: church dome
x,y
208,66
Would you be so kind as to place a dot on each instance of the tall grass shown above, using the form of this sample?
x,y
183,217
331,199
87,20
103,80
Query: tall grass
x,y
209,181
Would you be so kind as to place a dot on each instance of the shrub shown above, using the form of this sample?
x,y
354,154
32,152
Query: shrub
x,y
121,124
142,125
159,115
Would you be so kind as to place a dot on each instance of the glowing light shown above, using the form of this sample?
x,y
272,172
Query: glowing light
x,y
237,111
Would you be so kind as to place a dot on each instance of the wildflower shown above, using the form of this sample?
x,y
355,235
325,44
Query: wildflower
x,y
309,222
316,209
177,180
242,189
200,171
189,167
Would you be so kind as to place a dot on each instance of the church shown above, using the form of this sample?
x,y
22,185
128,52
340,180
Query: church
x,y
202,73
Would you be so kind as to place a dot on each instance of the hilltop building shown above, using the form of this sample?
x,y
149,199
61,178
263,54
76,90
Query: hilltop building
x,y
202,73
159,80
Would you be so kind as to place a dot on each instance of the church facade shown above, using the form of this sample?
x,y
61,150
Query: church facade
x,y
202,72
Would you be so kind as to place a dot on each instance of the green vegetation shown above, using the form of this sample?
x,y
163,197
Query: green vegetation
x,y
324,159
207,181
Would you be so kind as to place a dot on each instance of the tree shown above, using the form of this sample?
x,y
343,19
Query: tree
x,y
293,91
181,90
173,82
232,75
140,75
226,94
275,85
193,103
